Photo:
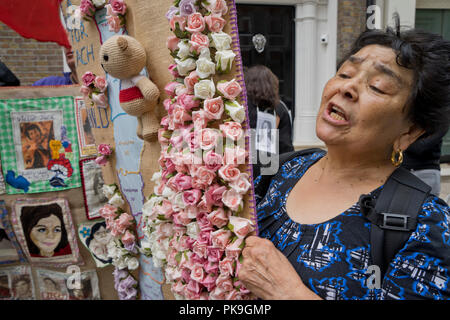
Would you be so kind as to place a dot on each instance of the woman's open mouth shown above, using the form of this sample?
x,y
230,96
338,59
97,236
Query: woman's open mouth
x,y
336,114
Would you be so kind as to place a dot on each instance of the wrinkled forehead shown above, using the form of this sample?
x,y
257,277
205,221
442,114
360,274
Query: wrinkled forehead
x,y
383,59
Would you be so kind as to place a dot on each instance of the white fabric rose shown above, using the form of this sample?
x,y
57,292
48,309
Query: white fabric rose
x,y
156,176
109,190
204,89
116,200
205,68
99,3
235,111
185,66
132,263
221,40
224,60
192,230
183,51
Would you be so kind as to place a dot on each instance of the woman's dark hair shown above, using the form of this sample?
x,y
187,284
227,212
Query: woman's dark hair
x,y
52,281
262,87
86,288
30,215
32,127
428,56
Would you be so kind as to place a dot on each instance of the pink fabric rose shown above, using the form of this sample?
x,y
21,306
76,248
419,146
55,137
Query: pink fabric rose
x,y
104,149
200,249
218,294
214,194
209,282
128,238
204,237
124,220
195,22
198,41
100,83
191,197
230,89
118,6
101,160
188,101
180,182
88,78
224,282
217,7
212,267
205,176
181,21
229,173
197,273
170,88
220,238
242,184
232,130
215,22
215,254
236,155
232,199
213,161
114,23
108,211
180,115
85,91
208,138
172,43
240,226
99,100
226,266
87,8
191,80
214,108
173,70
200,121
219,217
165,209
234,249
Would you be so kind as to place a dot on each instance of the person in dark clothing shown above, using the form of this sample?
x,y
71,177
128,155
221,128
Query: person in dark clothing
x,y
262,91
422,158
7,77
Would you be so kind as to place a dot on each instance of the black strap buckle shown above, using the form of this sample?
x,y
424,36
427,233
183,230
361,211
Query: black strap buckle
x,y
393,221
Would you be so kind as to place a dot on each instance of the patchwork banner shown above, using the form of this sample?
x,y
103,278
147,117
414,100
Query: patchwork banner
x,y
39,144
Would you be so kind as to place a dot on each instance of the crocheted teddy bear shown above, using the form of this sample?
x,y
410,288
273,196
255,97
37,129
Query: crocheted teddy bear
x,y
123,57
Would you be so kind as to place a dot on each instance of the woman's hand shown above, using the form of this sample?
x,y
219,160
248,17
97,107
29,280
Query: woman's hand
x,y
268,274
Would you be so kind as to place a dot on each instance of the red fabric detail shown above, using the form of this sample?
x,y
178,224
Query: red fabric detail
x,y
61,252
39,20
130,94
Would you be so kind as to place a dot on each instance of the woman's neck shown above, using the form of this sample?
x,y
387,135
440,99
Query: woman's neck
x,y
355,168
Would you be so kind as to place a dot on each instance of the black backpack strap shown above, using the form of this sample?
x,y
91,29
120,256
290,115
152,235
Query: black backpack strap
x,y
264,183
393,214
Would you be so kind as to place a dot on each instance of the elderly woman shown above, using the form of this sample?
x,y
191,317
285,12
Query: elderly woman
x,y
392,89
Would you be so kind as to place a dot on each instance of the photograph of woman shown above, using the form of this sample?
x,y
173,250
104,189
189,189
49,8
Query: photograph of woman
x,y
44,230
51,288
22,287
92,187
314,242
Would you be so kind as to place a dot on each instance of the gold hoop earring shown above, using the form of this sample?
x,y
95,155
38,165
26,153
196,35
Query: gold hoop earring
x,y
397,157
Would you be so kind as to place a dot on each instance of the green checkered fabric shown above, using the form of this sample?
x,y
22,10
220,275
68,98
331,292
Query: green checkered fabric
x,y
7,149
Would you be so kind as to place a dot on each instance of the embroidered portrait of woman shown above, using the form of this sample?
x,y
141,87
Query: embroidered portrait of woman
x,y
44,229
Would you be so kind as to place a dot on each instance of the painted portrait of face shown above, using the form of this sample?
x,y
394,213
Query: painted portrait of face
x,y
98,240
44,230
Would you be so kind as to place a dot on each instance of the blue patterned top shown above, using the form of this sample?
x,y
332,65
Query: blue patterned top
x,y
333,258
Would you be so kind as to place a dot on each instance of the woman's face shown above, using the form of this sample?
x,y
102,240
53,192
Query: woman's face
x,y
49,285
102,235
46,234
363,105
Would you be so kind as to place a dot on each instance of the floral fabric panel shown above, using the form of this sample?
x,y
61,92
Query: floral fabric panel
x,y
68,286
92,182
95,236
16,283
45,231
10,250
39,145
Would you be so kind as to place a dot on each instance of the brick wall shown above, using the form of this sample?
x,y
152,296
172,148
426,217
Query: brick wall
x,y
28,59
351,22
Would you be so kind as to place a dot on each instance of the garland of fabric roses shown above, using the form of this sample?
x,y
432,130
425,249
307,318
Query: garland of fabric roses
x,y
123,248
193,226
